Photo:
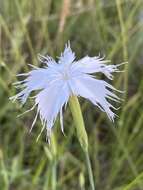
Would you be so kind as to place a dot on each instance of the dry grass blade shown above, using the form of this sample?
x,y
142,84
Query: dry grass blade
x,y
65,12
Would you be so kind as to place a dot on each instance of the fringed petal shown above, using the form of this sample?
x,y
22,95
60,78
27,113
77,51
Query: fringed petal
x,y
68,56
94,65
97,91
49,61
37,79
50,102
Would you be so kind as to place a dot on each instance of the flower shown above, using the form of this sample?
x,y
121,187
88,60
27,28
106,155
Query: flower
x,y
57,81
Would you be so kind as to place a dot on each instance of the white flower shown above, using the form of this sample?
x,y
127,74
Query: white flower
x,y
57,81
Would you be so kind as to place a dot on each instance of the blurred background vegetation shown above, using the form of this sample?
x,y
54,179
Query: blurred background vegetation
x,y
113,28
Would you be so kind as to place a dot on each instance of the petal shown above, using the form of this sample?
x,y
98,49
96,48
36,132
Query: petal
x,y
36,79
96,64
40,78
97,91
50,102
22,96
47,60
67,56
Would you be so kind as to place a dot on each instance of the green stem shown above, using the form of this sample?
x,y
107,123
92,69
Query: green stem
x,y
54,162
90,173
54,174
124,42
132,184
81,134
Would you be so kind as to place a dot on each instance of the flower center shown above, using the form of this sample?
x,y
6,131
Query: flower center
x,y
65,76
66,73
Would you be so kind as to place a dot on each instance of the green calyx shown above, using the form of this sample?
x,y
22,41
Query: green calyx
x,y
79,123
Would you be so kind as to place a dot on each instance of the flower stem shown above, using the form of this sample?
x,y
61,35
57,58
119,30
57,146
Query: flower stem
x,y
81,134
54,162
90,173
54,175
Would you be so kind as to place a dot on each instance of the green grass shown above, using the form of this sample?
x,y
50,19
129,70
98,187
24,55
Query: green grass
x,y
111,27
